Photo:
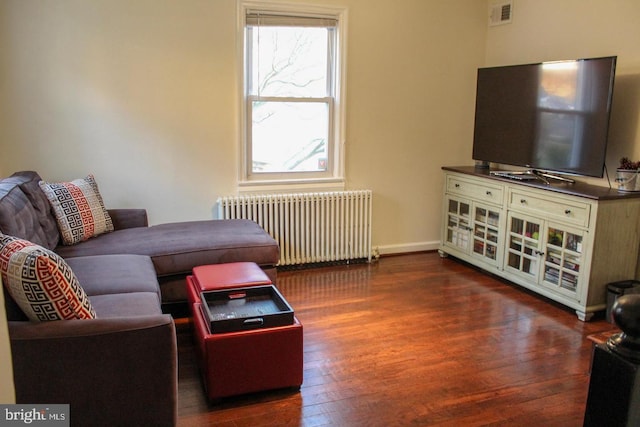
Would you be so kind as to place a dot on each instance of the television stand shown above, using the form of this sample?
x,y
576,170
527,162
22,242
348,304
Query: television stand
x,y
564,242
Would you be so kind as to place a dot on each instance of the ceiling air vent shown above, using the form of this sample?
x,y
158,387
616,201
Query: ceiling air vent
x,y
500,13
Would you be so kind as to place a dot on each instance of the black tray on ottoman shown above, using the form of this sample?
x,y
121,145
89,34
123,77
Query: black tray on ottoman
x,y
240,309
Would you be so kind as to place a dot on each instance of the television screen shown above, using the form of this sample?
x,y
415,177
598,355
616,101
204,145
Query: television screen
x,y
552,116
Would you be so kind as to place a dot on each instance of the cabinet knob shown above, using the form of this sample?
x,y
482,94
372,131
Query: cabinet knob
x,y
539,253
488,193
567,211
523,201
457,186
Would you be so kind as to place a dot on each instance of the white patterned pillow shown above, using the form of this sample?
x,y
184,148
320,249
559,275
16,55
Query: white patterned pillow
x,y
41,282
78,208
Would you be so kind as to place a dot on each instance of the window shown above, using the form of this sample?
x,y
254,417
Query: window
x,y
292,98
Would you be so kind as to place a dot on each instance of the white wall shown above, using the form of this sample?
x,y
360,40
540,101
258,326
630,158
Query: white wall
x,y
140,93
546,30
143,94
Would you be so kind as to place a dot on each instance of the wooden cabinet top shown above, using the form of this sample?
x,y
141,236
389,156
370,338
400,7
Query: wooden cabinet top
x,y
579,189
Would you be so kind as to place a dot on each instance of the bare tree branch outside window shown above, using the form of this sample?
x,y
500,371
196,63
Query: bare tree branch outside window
x,y
289,123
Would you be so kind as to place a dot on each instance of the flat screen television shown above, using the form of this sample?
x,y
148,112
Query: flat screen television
x,y
551,116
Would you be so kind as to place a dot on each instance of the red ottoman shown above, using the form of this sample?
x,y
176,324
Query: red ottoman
x,y
242,362
234,363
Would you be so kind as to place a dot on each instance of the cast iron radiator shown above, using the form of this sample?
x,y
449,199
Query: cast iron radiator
x,y
309,227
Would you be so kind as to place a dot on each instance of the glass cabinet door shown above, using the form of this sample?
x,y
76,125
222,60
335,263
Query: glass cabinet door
x,y
563,259
486,222
523,249
458,224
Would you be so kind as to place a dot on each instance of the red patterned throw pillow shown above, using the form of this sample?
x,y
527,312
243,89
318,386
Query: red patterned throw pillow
x,y
41,282
78,208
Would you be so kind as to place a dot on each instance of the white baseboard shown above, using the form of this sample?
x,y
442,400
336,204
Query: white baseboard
x,y
407,247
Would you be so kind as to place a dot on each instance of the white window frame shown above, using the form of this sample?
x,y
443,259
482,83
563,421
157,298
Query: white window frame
x,y
333,178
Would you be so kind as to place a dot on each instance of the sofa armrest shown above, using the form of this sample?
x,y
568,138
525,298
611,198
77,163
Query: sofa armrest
x,y
120,371
128,218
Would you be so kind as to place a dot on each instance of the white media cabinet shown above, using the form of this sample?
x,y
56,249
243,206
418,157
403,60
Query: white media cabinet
x,y
561,240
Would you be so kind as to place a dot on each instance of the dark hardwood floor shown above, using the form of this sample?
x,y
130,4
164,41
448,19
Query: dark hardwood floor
x,y
414,340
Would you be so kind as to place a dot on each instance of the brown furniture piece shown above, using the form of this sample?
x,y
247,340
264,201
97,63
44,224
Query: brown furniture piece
x,y
247,361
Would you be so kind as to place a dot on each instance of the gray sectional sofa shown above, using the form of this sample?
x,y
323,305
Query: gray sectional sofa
x,y
119,368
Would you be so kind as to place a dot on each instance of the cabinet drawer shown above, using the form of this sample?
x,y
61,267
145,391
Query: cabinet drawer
x,y
569,211
484,192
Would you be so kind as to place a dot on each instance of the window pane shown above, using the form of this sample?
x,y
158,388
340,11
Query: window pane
x,y
289,136
289,62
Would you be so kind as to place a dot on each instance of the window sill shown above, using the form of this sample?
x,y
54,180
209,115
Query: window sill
x,y
291,186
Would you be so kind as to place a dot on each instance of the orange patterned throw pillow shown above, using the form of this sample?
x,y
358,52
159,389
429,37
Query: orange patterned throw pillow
x,y
78,208
41,282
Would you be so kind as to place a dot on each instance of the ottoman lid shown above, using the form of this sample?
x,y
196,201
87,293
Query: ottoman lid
x,y
229,275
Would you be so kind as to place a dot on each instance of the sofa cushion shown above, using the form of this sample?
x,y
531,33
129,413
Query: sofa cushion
x,y
126,305
78,208
176,248
115,274
41,282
